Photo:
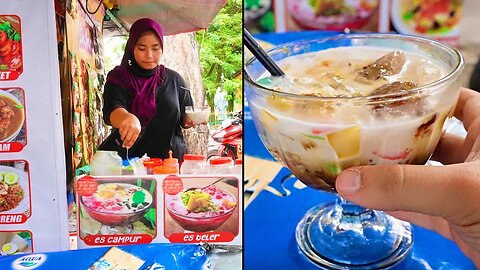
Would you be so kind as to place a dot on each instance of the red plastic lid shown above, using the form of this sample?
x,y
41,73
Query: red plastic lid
x,y
220,160
151,162
154,159
239,161
193,157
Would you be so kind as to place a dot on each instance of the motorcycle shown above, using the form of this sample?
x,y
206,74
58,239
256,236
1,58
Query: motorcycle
x,y
228,138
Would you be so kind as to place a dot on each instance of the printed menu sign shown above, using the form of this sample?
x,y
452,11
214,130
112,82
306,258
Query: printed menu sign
x,y
33,203
126,210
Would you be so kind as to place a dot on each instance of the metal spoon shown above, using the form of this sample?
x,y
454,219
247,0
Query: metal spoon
x,y
214,182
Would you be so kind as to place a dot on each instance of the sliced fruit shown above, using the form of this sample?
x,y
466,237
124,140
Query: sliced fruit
x,y
197,200
10,178
346,142
228,204
279,103
192,203
202,202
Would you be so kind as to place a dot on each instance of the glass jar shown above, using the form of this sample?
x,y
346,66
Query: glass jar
x,y
192,164
106,163
221,165
237,168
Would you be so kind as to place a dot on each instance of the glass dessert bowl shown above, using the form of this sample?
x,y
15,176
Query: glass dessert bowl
x,y
201,210
198,114
347,101
117,205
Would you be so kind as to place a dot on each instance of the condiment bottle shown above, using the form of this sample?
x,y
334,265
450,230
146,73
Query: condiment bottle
x,y
106,163
192,164
221,165
171,164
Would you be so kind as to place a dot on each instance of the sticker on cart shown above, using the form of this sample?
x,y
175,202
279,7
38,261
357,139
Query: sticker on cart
x,y
206,210
119,212
11,55
15,242
13,130
86,186
15,202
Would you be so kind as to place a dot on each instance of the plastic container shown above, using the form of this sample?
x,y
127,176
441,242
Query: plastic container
x,y
165,170
192,164
237,167
171,164
221,165
151,163
106,163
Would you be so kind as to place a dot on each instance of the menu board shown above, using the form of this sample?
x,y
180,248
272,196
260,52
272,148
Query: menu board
x,y
122,210
33,207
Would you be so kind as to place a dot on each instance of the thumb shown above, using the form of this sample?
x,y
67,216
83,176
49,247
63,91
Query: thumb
x,y
432,190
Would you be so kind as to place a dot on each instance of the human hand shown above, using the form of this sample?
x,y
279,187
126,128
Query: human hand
x,y
444,199
130,129
187,123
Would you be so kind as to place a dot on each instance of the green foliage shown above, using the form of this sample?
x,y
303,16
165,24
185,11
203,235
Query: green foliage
x,y
221,53
113,51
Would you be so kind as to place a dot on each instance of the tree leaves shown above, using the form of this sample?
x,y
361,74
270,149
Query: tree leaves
x,y
221,52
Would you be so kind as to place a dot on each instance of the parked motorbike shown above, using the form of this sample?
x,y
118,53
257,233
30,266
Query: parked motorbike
x,y
229,138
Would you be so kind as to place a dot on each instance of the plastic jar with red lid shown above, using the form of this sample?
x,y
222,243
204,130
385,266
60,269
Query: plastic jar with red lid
x,y
151,163
193,164
221,165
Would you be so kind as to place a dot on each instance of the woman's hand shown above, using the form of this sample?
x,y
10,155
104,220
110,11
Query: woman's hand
x,y
128,124
130,129
187,123
444,199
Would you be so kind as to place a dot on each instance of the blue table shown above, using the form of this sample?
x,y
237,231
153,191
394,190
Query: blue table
x,y
270,220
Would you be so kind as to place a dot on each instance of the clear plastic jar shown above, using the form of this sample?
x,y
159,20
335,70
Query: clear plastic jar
x,y
192,164
221,165
237,167
106,163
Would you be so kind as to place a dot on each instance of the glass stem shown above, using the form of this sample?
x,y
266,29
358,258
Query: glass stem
x,y
352,213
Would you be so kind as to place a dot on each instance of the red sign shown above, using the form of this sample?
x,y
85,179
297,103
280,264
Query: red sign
x,y
127,239
86,186
12,218
209,237
11,147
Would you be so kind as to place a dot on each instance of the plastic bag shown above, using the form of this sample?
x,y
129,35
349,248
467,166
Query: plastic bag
x,y
156,256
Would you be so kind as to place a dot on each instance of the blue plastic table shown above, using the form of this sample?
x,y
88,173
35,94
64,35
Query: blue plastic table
x,y
270,220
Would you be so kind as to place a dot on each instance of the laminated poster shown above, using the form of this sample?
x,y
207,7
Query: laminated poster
x,y
33,203
126,210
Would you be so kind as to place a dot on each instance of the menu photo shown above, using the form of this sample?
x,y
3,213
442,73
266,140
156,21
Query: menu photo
x,y
360,15
11,58
13,128
201,209
116,211
15,202
15,242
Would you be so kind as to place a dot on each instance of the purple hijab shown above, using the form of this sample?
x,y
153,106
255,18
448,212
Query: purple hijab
x,y
130,76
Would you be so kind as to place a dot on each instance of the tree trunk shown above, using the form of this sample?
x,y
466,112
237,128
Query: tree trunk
x,y
181,54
